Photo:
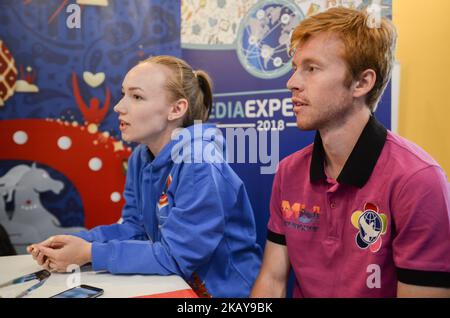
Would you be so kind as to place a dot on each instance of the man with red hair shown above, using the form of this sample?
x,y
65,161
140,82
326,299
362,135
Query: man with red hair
x,y
361,212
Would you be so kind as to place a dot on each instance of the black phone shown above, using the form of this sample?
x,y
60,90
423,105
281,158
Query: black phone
x,y
82,291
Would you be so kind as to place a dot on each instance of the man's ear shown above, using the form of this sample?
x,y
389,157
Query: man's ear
x,y
178,109
364,84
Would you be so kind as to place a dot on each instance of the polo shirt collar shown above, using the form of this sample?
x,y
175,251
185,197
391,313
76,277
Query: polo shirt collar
x,y
362,160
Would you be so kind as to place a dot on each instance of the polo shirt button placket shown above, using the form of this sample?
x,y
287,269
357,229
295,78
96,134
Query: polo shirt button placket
x,y
332,221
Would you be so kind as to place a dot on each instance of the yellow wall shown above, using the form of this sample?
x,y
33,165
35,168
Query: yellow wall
x,y
424,54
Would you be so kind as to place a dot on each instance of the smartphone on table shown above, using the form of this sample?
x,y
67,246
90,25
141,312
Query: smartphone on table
x,y
82,291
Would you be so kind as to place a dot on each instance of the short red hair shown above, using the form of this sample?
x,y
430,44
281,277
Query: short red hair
x,y
366,47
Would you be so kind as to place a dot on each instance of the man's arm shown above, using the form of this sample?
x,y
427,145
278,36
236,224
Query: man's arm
x,y
420,245
273,277
413,291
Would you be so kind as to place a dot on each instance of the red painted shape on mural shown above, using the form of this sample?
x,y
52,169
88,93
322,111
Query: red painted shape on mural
x,y
94,187
93,113
29,77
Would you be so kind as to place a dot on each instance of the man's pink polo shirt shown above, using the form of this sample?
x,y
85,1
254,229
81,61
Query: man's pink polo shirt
x,y
385,219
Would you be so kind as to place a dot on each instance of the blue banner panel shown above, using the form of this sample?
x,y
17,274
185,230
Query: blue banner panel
x,y
244,46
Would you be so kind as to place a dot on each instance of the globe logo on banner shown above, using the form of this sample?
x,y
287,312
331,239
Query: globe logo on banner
x,y
263,40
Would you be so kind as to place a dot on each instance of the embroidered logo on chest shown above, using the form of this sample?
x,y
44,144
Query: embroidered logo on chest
x,y
371,224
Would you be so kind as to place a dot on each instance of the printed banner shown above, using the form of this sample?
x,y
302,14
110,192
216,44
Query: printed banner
x,y
244,45
62,163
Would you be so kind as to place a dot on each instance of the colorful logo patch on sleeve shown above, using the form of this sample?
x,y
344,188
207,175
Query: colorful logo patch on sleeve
x,y
371,224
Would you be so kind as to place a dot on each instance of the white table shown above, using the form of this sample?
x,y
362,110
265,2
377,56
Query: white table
x,y
114,286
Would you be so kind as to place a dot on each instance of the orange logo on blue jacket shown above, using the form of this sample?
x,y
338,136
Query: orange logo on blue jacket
x,y
370,225
163,199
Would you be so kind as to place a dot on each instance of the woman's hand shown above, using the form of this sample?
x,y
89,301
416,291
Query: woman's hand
x,y
60,251
35,251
